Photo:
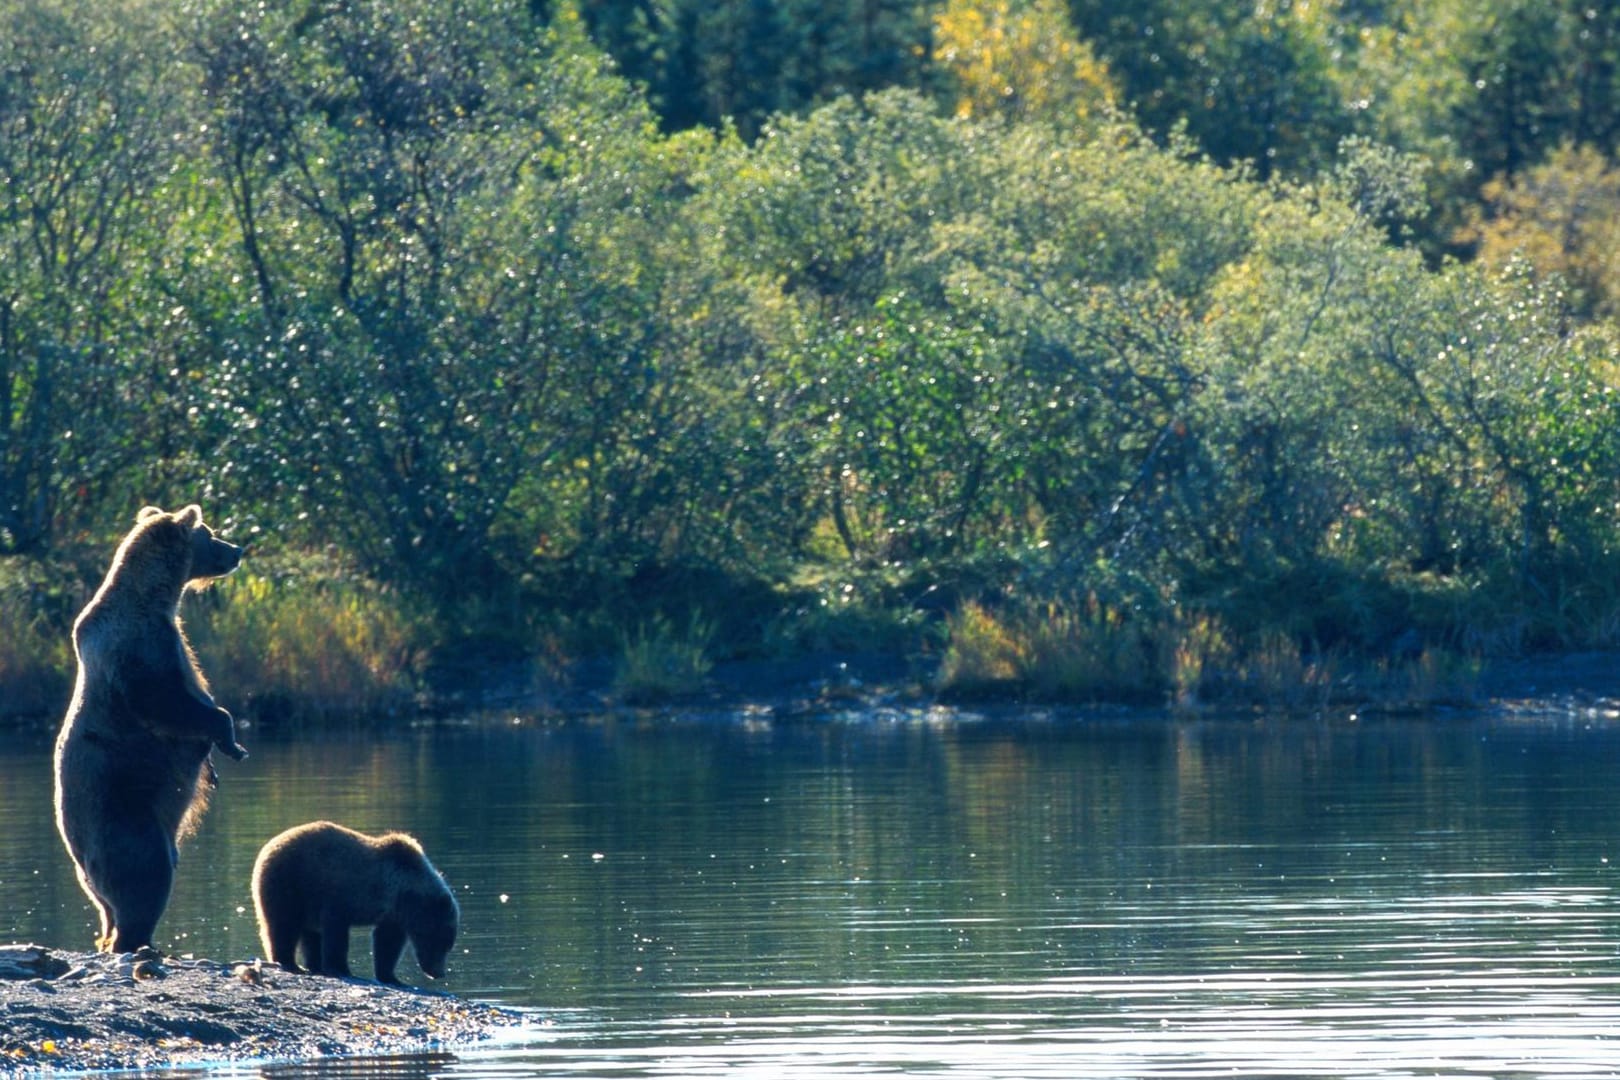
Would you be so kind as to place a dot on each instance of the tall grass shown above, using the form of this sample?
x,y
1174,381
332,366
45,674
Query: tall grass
x,y
1088,652
1095,652
298,647
299,637
36,665
37,605
984,656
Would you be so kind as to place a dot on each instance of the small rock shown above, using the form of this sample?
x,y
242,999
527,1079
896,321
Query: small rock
x,y
30,962
148,969
252,974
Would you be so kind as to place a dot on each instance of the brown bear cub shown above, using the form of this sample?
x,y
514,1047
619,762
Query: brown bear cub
x,y
314,881
132,759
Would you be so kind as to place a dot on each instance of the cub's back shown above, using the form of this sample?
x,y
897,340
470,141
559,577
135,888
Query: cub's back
x,y
322,866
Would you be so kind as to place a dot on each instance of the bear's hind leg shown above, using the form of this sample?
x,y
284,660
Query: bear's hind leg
x,y
133,875
103,912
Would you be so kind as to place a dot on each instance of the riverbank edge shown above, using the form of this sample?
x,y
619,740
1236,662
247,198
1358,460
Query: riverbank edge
x,y
853,683
850,683
72,1012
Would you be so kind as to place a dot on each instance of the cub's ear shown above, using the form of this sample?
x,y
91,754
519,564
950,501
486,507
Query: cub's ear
x,y
190,517
148,513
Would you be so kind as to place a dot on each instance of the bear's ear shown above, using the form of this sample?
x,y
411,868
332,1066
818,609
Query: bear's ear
x,y
148,513
190,517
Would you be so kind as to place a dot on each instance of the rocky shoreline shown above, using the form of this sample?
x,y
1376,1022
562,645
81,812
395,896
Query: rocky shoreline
x,y
68,1012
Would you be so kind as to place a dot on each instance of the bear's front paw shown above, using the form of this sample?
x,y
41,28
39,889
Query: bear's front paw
x,y
225,734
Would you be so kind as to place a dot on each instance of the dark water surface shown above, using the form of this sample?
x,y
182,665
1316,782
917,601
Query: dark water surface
x,y
957,896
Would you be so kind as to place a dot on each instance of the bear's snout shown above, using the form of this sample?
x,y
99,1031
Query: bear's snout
x,y
217,559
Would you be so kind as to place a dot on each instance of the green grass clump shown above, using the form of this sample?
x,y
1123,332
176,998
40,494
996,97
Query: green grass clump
x,y
659,663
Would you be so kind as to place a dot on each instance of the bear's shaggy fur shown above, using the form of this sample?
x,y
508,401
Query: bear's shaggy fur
x,y
314,881
132,759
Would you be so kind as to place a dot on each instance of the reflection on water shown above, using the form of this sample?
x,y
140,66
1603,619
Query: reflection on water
x,y
396,1067
419,1066
976,898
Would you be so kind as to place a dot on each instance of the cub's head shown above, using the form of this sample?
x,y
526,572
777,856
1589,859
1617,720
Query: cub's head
x,y
179,545
431,920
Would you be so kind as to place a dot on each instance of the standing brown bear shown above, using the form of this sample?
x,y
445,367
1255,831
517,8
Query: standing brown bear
x,y
314,881
132,760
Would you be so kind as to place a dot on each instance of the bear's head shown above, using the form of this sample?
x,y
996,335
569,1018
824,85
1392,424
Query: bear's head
x,y
166,552
431,919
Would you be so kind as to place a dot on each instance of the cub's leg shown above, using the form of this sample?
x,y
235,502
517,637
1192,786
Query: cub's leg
x,y
334,947
310,941
387,942
284,943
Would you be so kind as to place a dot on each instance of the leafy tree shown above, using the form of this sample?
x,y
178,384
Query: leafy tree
x,y
631,31
85,140
1377,418
903,429
840,203
1482,90
1088,266
484,339
826,223
413,187
1000,300
1302,401
1249,82
663,455
1542,74
740,61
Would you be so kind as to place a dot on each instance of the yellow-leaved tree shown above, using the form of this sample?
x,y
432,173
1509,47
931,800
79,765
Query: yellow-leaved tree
x,y
1020,60
1562,215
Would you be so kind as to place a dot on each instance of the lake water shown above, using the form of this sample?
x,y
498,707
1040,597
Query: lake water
x,y
947,895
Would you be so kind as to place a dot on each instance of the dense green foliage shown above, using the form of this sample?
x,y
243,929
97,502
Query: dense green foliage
x,y
793,332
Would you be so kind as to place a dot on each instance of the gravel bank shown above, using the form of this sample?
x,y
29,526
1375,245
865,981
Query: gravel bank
x,y
67,1011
